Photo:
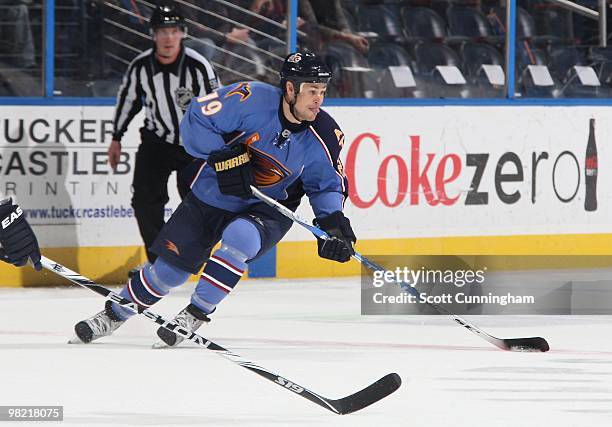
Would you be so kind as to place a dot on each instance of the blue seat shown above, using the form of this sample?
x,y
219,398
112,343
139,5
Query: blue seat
x,y
423,24
381,56
428,56
385,54
600,59
554,23
528,55
525,25
562,62
383,20
476,54
470,22
526,28
467,21
562,59
352,78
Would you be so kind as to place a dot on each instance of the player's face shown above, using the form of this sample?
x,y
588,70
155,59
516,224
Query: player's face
x,y
168,42
309,100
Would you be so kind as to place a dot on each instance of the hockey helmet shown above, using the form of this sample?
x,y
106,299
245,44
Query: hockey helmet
x,y
303,67
167,16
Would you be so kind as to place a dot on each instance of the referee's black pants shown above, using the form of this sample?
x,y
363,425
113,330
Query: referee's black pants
x,y
155,161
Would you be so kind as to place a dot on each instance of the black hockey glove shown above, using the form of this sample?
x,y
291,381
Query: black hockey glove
x,y
17,238
234,171
340,246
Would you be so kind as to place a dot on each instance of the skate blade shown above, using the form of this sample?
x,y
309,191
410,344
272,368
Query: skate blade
x,y
75,340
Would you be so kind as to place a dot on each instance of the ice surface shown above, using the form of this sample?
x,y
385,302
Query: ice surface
x,y
310,332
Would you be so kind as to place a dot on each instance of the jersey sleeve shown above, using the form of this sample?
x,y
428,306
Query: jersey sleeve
x,y
129,100
209,118
207,79
323,176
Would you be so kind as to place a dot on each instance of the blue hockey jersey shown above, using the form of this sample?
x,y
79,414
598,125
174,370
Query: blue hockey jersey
x,y
282,153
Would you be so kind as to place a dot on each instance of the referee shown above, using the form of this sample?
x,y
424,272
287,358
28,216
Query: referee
x,y
163,80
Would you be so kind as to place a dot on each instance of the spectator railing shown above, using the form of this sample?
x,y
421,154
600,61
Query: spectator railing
x,y
87,45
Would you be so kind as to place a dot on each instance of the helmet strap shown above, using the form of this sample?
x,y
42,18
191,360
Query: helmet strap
x,y
291,102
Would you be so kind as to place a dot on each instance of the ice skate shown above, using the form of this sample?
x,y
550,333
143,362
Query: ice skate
x,y
101,325
189,318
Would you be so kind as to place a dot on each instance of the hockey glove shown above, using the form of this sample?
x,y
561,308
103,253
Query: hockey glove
x,y
340,246
17,238
234,171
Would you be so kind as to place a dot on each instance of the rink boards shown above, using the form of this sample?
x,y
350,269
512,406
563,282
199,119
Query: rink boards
x,y
439,180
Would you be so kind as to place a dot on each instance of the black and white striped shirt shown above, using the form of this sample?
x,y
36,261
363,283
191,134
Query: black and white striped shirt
x,y
164,90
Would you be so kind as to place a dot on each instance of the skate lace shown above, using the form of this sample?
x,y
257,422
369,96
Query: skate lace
x,y
100,325
186,320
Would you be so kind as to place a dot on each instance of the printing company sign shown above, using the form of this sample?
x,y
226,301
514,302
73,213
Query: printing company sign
x,y
461,171
53,161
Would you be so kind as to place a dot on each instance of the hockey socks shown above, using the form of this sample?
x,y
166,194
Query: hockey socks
x,y
241,241
220,275
150,285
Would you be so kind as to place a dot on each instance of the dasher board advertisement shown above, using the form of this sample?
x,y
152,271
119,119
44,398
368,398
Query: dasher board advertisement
x,y
53,162
414,172
475,171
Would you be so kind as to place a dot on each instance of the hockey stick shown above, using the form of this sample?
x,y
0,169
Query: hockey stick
x,y
346,405
534,344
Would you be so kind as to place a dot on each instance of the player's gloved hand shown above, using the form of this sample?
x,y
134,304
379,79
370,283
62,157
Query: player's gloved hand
x,y
234,171
16,237
340,246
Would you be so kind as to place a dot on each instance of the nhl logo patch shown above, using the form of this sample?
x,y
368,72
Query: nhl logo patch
x,y
183,97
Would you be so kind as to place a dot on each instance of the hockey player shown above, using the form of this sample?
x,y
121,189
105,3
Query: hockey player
x,y
19,243
249,134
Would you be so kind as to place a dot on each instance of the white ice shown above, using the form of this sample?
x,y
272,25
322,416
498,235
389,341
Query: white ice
x,y
310,332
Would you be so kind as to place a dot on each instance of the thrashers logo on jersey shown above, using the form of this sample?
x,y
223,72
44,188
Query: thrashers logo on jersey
x,y
172,247
243,90
267,171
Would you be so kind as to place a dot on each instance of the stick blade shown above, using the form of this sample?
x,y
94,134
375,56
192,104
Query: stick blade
x,y
532,344
369,395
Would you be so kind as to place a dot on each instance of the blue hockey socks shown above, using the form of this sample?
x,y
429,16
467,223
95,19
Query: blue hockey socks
x,y
150,285
240,242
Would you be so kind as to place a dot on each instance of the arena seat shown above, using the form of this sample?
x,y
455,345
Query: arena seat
x,y
570,67
476,58
353,77
431,60
470,22
382,20
422,24
390,61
